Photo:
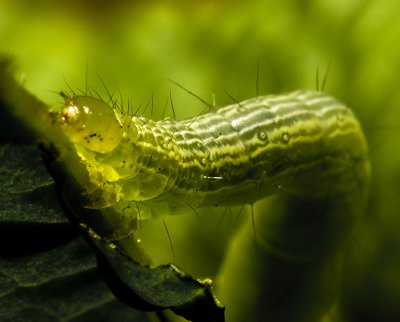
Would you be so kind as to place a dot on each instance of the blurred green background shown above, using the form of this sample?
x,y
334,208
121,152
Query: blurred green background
x,y
213,46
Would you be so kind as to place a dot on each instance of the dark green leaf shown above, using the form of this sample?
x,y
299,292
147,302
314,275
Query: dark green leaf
x,y
157,288
47,272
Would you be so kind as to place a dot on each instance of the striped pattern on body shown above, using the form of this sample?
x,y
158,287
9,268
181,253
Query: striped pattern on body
x,y
304,142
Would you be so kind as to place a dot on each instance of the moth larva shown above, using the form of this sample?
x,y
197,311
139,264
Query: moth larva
x,y
305,142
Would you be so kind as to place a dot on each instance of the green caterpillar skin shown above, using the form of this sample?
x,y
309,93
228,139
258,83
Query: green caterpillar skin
x,y
305,142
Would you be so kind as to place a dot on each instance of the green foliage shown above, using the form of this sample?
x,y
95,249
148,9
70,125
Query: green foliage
x,y
48,273
210,46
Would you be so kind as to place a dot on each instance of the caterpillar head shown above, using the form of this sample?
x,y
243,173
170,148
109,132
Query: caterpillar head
x,y
91,123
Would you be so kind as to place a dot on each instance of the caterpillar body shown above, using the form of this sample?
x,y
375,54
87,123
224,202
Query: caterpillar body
x,y
304,142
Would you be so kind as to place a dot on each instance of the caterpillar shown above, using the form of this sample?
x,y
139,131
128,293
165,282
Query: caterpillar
x,y
306,143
